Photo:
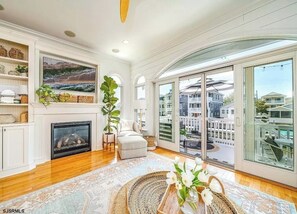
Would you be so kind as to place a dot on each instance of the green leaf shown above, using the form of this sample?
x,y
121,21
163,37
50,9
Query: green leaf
x,y
115,113
178,170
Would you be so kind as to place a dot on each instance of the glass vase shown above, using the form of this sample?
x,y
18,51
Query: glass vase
x,y
193,197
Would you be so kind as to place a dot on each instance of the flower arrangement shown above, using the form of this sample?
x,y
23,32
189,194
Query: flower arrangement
x,y
188,181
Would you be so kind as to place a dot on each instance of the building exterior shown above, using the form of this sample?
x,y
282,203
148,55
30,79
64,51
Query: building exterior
x,y
274,99
227,111
281,114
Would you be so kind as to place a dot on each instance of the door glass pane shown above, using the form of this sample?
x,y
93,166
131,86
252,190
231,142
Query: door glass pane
x,y
269,111
220,117
166,109
190,116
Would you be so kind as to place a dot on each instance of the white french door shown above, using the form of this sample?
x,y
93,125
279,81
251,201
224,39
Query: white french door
x,y
206,115
265,118
166,113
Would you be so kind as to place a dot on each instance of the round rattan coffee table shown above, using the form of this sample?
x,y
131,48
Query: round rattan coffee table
x,y
143,195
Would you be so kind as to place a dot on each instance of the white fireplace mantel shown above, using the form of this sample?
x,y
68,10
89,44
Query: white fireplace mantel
x,y
66,108
59,113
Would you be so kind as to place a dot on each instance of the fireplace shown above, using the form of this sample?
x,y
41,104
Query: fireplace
x,y
70,138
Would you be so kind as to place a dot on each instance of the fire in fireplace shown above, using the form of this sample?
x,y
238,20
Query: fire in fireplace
x,y
70,138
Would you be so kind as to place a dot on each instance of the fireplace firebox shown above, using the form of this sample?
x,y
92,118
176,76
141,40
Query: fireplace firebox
x,y
70,138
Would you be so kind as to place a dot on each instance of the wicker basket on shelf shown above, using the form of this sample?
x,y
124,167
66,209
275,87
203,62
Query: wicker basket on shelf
x,y
16,54
3,51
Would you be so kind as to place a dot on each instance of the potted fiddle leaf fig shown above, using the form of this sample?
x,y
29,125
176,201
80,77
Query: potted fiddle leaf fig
x,y
108,88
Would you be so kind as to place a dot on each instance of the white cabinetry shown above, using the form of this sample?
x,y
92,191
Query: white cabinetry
x,y
16,149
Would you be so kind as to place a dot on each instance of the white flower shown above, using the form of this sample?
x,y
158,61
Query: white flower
x,y
178,185
187,178
198,161
207,196
211,170
203,176
171,178
176,160
215,186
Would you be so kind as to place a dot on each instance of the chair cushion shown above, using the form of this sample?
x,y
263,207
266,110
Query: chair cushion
x,y
131,142
129,133
126,125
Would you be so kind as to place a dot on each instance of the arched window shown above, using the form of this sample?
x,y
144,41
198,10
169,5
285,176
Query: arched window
x,y
118,92
140,88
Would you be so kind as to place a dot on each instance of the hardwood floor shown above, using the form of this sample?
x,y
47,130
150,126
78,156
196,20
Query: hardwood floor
x,y
64,168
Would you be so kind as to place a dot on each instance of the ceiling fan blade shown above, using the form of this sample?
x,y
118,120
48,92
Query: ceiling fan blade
x,y
124,7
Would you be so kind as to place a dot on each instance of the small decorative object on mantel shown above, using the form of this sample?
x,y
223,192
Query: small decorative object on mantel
x,y
194,187
64,97
67,98
2,69
24,117
7,118
24,94
85,99
16,53
3,51
7,96
22,69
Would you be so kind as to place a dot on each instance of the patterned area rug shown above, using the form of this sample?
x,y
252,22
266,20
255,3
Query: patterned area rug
x,y
93,191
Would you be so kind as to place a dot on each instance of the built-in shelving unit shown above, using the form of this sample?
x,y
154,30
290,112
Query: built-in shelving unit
x,y
16,139
9,81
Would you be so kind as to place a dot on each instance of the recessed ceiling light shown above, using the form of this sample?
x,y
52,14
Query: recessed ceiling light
x,y
125,42
115,50
1,7
69,33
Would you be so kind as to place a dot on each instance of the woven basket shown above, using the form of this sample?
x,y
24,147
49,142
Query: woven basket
x,y
16,53
3,51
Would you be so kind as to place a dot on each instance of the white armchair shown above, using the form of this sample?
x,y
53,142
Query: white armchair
x,y
128,128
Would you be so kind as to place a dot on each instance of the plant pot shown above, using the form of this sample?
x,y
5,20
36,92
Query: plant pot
x,y
24,74
109,137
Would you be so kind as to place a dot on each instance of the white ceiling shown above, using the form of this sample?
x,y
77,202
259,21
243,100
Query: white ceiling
x,y
150,24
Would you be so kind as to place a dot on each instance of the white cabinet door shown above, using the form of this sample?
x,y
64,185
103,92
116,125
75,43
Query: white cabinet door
x,y
1,166
15,147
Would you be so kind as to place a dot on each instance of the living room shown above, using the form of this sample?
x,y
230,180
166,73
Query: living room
x,y
102,102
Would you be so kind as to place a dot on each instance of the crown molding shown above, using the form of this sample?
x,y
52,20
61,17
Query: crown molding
x,y
36,35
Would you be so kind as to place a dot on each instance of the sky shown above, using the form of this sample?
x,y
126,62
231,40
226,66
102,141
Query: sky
x,y
274,77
